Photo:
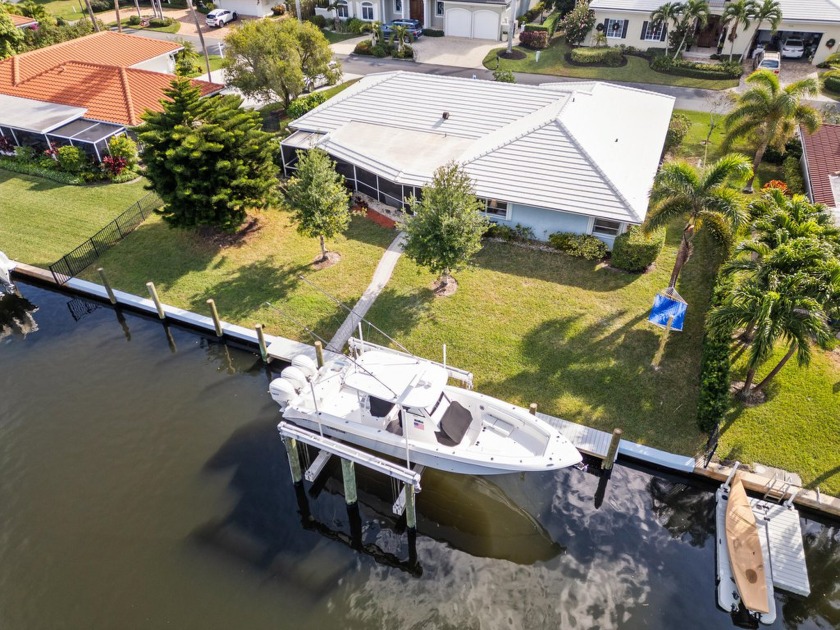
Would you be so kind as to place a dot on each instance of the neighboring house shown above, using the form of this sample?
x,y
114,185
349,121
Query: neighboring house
x,y
65,94
560,157
250,8
476,19
628,22
21,21
821,163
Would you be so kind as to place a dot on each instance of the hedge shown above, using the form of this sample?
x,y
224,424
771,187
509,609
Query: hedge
x,y
578,245
715,366
611,57
536,40
793,175
28,168
551,23
635,251
832,84
680,67
304,104
531,28
433,32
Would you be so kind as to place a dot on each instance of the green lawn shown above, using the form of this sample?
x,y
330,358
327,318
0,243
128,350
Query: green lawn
x,y
216,62
66,9
333,37
637,69
565,333
172,28
41,220
187,270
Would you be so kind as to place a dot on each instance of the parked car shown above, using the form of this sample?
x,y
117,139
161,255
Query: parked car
x,y
793,48
310,85
768,61
414,27
220,17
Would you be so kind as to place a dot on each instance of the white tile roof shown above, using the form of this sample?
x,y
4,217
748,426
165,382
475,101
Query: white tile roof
x,y
589,148
804,10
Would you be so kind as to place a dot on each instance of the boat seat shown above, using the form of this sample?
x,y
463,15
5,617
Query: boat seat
x,y
454,424
380,408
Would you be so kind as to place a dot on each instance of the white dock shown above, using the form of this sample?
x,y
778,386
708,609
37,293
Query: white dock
x,y
587,440
787,551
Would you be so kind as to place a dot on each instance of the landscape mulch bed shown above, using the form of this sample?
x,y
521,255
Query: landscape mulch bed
x,y
380,219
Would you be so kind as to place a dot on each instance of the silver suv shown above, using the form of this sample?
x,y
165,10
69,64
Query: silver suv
x,y
793,48
220,17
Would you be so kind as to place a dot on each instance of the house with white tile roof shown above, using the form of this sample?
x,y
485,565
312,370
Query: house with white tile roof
x,y
560,157
628,23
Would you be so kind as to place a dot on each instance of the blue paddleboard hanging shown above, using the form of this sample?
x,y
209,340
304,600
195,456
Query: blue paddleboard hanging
x,y
668,306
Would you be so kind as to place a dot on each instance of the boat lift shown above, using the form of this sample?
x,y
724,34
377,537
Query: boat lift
x,y
781,545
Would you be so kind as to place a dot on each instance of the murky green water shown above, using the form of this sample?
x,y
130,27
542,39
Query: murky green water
x,y
143,485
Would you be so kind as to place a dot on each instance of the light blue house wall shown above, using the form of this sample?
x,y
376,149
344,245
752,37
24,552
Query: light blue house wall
x,y
545,222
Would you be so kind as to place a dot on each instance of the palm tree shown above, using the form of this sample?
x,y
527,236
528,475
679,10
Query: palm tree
x,y
778,219
770,114
402,36
703,196
737,13
777,309
668,13
693,12
375,29
768,10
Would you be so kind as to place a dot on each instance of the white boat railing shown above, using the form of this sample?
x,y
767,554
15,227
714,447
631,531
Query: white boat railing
x,y
360,346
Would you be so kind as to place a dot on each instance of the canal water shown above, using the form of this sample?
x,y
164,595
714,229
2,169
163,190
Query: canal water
x,y
143,485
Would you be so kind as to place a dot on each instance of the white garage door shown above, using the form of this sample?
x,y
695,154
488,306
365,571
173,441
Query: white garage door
x,y
458,23
485,25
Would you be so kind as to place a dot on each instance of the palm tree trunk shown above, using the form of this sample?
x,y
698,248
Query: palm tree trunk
x,y
92,16
776,369
759,155
732,37
682,43
744,394
137,5
117,11
683,254
323,249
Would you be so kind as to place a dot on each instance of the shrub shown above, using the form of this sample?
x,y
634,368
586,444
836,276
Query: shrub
x,y
113,166
30,168
364,47
134,20
635,251
160,23
533,13
318,20
793,175
697,70
407,52
677,130
381,50
611,57
304,104
101,5
551,23
530,28
125,148
206,7
6,146
578,245
520,233
792,148
71,159
536,40
714,371
776,184
279,9
504,76
831,82
25,154
433,32
355,25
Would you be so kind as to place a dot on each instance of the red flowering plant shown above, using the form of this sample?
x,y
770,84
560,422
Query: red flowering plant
x,y
7,147
51,151
777,184
113,166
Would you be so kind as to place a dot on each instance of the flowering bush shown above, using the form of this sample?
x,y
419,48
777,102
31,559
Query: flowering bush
x,y
51,151
534,39
775,183
577,24
7,147
113,166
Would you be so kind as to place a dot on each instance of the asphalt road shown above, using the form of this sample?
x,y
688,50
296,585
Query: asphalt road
x,y
686,98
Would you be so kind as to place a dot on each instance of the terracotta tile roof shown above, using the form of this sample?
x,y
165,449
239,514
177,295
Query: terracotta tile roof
x,y
822,155
115,49
110,93
21,20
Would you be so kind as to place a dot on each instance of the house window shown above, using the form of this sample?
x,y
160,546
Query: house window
x,y
439,9
367,11
615,29
653,31
342,9
398,6
606,228
496,208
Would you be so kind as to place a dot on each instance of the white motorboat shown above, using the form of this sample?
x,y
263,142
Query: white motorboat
x,y
402,406
6,267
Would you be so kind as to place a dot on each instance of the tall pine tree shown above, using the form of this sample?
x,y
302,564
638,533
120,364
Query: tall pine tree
x,y
207,158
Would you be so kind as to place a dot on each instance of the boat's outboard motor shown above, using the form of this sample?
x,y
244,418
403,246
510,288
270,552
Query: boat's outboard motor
x,y
296,376
282,390
305,365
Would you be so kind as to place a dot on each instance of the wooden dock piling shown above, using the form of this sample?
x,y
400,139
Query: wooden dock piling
x,y
532,409
319,354
107,285
348,472
153,293
214,313
294,459
261,342
612,451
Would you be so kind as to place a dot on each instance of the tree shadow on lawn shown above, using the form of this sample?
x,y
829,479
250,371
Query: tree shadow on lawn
x,y
397,314
366,231
34,182
610,371
555,267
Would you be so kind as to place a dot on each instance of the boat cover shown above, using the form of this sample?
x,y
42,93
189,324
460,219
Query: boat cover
x,y
408,381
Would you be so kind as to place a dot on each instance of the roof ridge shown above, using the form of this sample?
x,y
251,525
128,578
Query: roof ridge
x,y
597,168
126,90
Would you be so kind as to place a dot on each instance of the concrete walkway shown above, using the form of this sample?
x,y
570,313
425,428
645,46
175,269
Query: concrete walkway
x,y
380,278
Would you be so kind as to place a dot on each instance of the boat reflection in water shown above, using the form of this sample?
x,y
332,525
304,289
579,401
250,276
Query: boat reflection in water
x,y
16,315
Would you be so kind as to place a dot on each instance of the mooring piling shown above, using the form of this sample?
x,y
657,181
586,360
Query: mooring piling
x,y
153,293
532,409
261,342
294,459
612,451
319,353
217,323
348,473
107,285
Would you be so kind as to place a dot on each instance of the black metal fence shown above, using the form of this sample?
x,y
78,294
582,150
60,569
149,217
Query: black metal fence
x,y
86,254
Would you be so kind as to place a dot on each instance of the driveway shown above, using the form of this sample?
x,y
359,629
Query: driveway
x,y
442,51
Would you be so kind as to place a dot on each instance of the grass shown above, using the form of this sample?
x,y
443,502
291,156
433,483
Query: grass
x,y
41,220
172,28
637,69
334,38
65,9
216,63
798,428
187,270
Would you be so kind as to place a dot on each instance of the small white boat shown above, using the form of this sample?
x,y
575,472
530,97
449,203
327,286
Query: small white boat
x,y
6,267
401,405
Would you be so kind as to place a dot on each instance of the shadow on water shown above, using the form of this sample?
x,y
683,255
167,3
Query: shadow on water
x,y
687,513
16,315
